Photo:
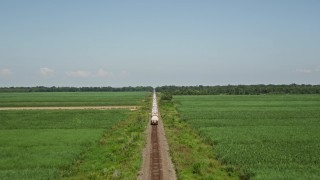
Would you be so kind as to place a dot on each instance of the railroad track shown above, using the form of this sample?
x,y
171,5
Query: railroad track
x,y
156,164
156,170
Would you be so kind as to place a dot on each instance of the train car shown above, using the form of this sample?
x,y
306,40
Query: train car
x,y
155,113
154,120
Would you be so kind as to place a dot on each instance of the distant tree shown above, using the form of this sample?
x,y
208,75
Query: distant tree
x,y
241,89
166,96
74,89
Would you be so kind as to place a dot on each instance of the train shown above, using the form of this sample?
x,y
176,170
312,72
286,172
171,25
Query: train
x,y
154,120
154,112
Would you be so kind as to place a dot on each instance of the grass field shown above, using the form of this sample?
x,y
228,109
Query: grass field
x,y
71,99
55,144
267,136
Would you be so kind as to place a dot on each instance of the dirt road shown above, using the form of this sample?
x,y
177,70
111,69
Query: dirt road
x,y
70,108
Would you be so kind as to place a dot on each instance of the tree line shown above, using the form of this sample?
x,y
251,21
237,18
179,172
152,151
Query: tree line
x,y
240,89
183,90
75,89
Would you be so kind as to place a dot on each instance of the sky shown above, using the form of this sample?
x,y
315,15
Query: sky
x,y
154,43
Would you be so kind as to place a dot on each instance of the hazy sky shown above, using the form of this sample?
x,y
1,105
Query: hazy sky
x,y
167,42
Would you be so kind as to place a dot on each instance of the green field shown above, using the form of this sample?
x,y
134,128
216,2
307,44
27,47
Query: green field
x,y
267,136
71,99
37,144
51,144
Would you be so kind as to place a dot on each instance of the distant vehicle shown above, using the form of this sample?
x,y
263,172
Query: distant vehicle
x,y
154,120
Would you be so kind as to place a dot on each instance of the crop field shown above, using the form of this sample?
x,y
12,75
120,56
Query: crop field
x,y
35,144
266,136
50,144
47,99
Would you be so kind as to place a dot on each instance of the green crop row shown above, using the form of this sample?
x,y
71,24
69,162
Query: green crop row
x,y
71,99
61,119
269,136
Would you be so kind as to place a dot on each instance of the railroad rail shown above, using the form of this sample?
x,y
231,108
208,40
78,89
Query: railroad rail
x,y
156,172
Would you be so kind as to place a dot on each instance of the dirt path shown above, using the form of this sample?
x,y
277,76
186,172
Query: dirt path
x,y
70,108
150,166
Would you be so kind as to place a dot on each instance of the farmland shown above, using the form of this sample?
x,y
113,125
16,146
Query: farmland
x,y
47,99
265,136
50,144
